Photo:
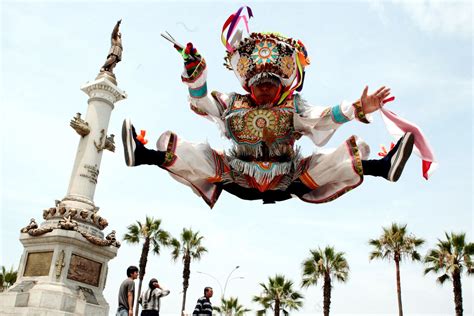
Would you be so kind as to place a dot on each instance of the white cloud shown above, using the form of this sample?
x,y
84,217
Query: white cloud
x,y
445,17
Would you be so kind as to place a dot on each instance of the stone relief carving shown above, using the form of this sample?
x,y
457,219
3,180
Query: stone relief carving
x,y
84,270
60,264
108,143
67,223
112,239
69,219
32,225
79,125
84,214
40,231
109,241
80,215
103,92
33,230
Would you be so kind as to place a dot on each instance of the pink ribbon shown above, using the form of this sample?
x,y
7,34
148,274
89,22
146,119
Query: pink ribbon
x,y
398,126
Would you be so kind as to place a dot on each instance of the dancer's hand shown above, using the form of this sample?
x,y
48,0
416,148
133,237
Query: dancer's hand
x,y
373,102
190,56
189,52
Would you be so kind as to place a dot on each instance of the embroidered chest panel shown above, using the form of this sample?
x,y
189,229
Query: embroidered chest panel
x,y
247,124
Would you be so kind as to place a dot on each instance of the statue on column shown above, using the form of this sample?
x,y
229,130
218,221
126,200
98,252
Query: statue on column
x,y
115,52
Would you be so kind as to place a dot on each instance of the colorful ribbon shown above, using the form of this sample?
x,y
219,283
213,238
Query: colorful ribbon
x,y
398,126
232,22
295,84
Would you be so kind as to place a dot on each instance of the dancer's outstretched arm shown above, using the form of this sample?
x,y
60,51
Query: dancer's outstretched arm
x,y
320,123
194,77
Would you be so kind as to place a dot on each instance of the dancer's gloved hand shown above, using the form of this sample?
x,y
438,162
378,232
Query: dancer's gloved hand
x,y
190,56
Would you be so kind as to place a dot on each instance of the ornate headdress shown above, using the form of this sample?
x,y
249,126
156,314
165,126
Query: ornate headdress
x,y
263,53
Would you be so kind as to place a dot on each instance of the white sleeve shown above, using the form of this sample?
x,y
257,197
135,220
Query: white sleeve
x,y
320,123
202,102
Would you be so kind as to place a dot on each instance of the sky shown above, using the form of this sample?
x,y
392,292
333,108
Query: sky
x,y
421,49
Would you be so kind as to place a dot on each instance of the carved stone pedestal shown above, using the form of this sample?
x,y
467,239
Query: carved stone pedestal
x,y
62,271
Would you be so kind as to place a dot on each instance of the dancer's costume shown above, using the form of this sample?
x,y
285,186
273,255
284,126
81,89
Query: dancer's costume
x,y
264,162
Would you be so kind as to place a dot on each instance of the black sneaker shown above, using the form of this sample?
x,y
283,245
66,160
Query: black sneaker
x,y
398,156
130,143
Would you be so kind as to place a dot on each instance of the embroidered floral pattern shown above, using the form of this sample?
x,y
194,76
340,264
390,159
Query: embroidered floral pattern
x,y
265,52
287,66
243,66
237,123
257,120
247,124
283,122
170,158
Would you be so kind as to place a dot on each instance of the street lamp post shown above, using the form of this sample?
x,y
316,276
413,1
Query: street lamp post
x,y
210,275
227,280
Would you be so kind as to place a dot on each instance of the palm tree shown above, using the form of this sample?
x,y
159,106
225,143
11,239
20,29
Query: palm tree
x,y
189,247
231,307
2,278
153,238
396,244
325,264
278,295
451,257
7,278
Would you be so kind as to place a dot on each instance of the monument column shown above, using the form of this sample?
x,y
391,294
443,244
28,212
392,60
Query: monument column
x,y
103,94
64,265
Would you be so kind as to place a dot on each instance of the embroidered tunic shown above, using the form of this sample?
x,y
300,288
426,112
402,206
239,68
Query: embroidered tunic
x,y
264,156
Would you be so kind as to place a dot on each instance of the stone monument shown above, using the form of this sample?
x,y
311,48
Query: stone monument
x,y
64,265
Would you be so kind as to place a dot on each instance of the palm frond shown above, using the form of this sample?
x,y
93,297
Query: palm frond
x,y
450,256
443,278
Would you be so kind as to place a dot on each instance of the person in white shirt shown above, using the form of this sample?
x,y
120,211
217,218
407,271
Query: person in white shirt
x,y
150,299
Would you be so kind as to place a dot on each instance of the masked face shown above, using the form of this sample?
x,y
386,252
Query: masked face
x,y
266,93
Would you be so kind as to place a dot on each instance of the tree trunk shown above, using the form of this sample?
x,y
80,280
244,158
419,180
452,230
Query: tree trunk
x,y
186,275
399,286
326,294
141,274
277,307
457,289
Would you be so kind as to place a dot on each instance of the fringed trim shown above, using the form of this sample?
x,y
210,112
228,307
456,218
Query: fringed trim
x,y
262,171
243,181
256,151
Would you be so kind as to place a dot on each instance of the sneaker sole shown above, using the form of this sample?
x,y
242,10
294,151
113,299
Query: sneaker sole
x,y
128,143
401,157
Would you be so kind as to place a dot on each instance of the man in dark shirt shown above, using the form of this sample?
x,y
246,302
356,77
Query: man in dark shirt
x,y
204,306
127,293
